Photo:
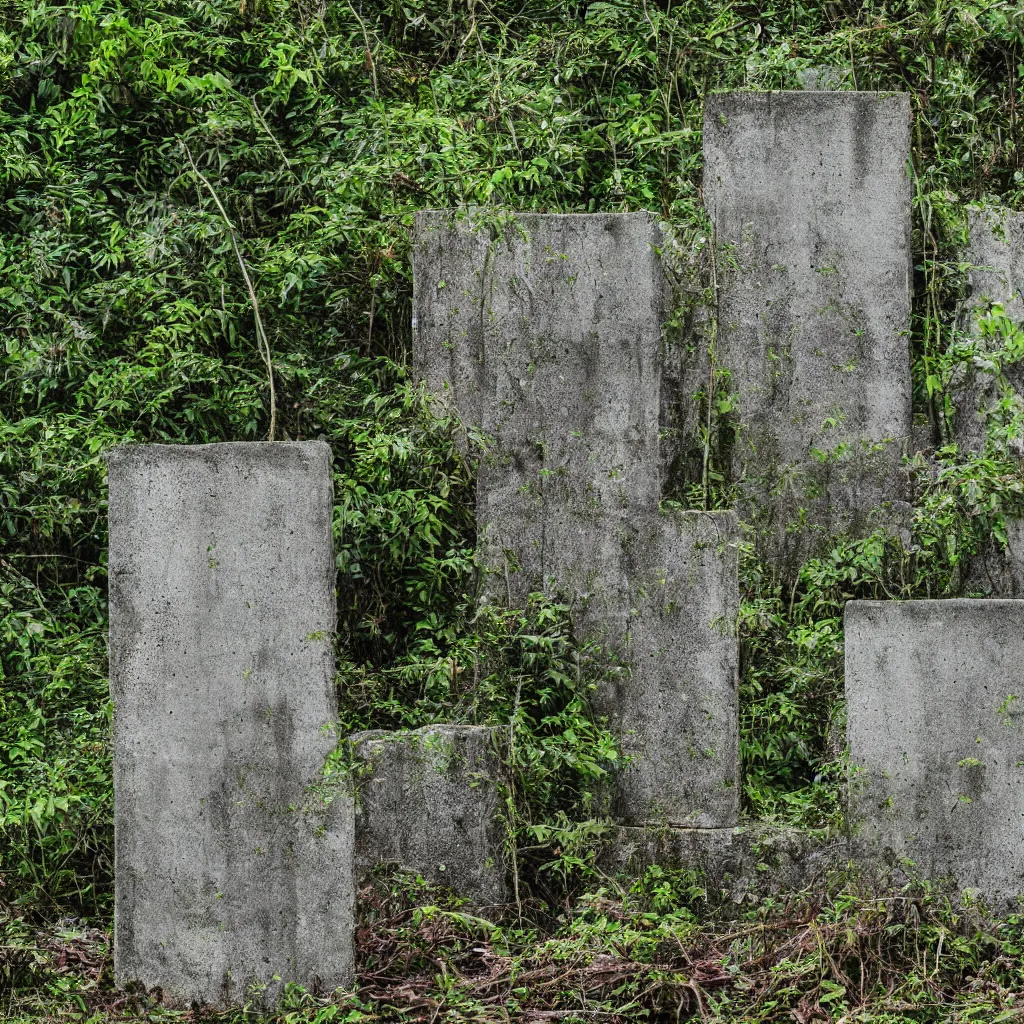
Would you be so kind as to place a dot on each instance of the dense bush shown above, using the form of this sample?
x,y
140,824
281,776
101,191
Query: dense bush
x,y
204,230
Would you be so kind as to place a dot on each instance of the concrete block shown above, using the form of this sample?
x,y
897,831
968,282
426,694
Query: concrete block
x,y
810,199
997,571
995,256
430,801
569,364
234,857
757,861
545,331
660,593
935,725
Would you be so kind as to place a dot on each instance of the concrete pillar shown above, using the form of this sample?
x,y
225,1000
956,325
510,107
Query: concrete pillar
x,y
430,801
665,595
995,255
548,341
234,856
810,198
935,724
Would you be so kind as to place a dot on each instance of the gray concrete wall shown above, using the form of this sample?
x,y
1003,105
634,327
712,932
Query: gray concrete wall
x,y
232,863
935,725
661,591
566,345
756,860
545,333
429,801
995,255
810,197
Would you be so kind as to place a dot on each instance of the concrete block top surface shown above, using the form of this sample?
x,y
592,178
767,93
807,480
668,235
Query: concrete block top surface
x,y
232,867
935,723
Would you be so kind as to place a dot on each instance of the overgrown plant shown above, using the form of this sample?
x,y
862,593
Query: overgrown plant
x,y
128,315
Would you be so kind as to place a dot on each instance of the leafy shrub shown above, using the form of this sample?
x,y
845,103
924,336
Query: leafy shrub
x,y
158,159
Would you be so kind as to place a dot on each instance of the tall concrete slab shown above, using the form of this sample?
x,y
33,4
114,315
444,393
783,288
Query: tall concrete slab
x,y
664,597
234,856
988,391
546,333
659,592
431,801
566,390
995,257
935,724
810,199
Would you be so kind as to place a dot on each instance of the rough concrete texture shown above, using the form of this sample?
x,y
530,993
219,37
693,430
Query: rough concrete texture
x,y
997,571
935,713
430,801
660,592
810,199
559,366
737,862
233,865
546,332
996,276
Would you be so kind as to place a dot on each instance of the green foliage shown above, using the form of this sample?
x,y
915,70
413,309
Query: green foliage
x,y
55,787
656,948
155,156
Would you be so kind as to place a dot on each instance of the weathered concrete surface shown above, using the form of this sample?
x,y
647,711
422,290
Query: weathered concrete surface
x,y
660,591
997,571
996,276
230,869
546,332
565,358
935,713
736,862
810,199
451,261
429,800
